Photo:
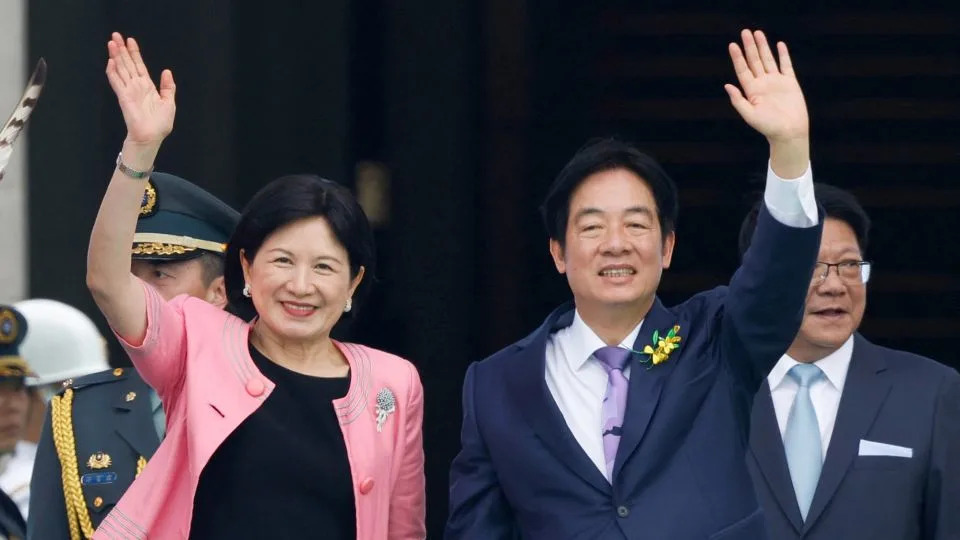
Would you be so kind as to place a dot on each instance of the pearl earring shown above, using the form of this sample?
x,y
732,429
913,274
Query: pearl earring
x,y
246,290
349,305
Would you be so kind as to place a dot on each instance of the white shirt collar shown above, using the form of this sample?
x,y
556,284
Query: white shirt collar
x,y
584,341
835,366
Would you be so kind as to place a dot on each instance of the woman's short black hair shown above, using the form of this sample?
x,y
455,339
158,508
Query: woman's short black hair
x,y
292,198
836,203
603,155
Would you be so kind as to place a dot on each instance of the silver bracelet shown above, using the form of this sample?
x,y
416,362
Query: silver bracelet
x,y
132,173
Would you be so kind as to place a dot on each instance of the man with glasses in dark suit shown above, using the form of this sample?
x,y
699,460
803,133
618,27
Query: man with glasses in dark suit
x,y
850,439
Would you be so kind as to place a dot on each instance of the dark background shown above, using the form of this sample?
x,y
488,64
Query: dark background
x,y
471,107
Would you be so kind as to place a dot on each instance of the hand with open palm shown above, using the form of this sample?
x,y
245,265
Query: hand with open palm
x,y
771,101
147,110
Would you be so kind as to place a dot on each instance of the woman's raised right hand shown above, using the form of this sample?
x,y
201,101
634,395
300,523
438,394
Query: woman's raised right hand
x,y
147,110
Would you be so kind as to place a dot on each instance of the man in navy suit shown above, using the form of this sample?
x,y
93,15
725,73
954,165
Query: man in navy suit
x,y
884,425
566,433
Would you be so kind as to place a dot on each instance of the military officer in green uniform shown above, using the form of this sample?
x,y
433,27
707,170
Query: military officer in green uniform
x,y
102,429
16,456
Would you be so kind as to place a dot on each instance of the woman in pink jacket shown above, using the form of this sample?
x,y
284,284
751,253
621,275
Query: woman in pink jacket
x,y
274,430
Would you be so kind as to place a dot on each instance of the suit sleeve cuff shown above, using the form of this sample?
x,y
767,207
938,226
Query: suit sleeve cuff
x,y
791,201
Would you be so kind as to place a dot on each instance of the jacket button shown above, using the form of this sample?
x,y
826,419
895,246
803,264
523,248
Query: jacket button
x,y
98,502
255,387
623,511
366,486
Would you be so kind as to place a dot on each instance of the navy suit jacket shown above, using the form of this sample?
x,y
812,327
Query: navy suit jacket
x,y
889,397
679,471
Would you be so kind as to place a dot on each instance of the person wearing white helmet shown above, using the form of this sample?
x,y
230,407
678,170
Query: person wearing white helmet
x,y
63,344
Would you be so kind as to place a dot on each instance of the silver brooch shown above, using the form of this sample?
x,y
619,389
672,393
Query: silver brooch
x,y
386,405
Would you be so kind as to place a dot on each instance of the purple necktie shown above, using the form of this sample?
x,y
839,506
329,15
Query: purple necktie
x,y
613,360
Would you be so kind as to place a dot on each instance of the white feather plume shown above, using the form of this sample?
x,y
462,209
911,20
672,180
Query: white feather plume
x,y
14,125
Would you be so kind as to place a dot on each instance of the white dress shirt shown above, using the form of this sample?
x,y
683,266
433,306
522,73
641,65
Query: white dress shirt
x,y
791,202
825,393
578,383
576,379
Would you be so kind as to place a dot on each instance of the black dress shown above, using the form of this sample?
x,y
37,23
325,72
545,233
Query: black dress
x,y
283,473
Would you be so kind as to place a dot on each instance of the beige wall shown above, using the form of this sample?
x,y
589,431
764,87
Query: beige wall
x,y
13,192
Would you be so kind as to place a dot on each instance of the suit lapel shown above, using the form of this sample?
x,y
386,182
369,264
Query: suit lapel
x,y
863,393
134,419
646,383
527,381
766,445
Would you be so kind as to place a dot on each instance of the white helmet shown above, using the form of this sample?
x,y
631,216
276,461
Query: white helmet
x,y
61,342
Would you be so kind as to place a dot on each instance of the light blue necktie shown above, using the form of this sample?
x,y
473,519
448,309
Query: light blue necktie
x,y
801,440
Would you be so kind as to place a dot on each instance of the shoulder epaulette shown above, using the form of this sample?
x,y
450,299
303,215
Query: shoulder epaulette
x,y
100,377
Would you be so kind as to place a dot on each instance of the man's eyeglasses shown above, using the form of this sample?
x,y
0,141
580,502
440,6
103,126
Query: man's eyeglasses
x,y
850,272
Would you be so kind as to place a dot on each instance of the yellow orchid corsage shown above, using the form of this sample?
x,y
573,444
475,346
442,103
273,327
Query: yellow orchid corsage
x,y
662,346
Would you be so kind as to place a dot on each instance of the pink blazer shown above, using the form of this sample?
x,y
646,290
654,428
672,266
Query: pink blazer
x,y
197,359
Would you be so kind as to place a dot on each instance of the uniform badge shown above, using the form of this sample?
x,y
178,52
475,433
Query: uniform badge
x,y
100,460
130,396
386,405
148,205
8,327
90,479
